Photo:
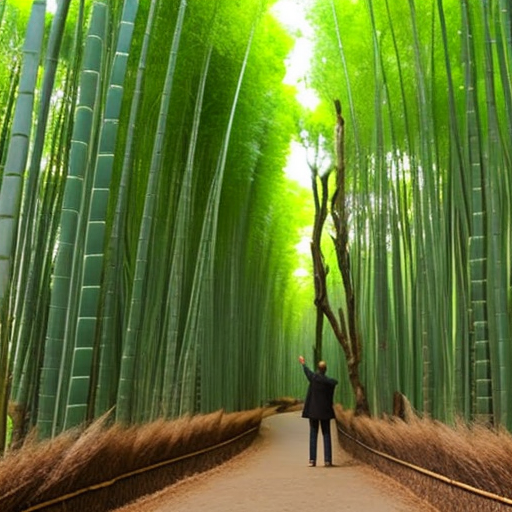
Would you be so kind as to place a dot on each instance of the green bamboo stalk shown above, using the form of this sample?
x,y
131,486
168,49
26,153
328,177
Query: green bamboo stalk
x,y
80,404
29,207
384,338
431,271
179,256
403,257
483,407
499,331
200,311
459,210
503,44
34,235
17,153
111,343
124,410
9,100
28,356
61,320
354,121
12,185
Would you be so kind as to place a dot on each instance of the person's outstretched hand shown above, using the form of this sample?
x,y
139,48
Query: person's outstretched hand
x,y
301,360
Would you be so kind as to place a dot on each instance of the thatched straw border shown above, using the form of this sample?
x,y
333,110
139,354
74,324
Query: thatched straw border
x,y
105,468
372,444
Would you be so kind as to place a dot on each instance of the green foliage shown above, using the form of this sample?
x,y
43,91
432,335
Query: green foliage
x,y
425,91
186,252
173,210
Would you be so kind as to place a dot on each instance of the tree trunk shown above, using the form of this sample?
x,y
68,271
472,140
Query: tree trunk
x,y
340,219
347,338
319,270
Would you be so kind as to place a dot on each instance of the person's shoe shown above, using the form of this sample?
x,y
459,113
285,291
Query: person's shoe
x,y
312,463
328,464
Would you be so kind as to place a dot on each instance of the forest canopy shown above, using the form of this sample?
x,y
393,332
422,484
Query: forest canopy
x,y
148,232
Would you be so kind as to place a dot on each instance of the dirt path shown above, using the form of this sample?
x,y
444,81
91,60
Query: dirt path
x,y
273,476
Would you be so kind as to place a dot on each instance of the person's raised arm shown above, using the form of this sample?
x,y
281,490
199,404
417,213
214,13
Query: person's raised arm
x,y
307,371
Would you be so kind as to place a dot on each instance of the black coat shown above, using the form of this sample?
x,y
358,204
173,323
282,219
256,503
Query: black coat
x,y
319,398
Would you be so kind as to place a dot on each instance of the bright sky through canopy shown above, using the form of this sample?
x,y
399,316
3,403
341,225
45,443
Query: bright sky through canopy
x,y
292,14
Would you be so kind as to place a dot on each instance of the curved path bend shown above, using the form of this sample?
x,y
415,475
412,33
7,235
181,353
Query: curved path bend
x,y
273,476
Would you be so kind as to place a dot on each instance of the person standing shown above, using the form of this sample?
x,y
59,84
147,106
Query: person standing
x,y
318,408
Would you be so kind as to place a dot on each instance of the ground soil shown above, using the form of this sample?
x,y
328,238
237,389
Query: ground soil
x,y
273,476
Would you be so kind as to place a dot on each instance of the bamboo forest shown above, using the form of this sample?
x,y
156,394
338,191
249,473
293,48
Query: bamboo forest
x,y
156,248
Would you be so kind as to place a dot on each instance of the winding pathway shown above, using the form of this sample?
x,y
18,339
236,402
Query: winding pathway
x,y
273,476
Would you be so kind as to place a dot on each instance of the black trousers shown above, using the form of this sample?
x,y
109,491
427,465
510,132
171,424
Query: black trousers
x,y
313,438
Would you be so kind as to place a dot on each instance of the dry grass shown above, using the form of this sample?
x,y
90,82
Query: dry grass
x,y
40,472
473,455
285,404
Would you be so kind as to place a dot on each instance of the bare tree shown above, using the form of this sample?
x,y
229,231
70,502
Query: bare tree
x,y
344,324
